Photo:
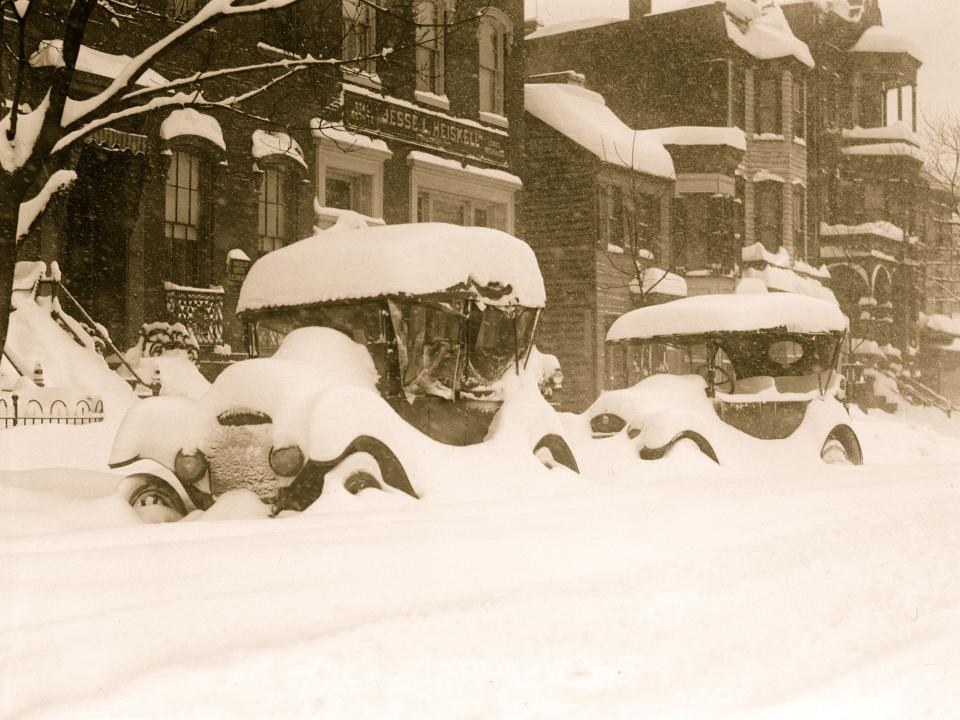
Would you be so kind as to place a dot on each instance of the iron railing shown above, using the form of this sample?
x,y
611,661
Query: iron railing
x,y
15,411
200,309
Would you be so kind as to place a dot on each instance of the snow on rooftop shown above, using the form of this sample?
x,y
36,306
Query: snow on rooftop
x,y
572,26
583,116
769,37
894,149
412,259
879,39
744,9
187,121
95,62
879,228
267,144
692,135
730,313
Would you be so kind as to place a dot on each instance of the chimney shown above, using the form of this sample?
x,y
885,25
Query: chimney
x,y
639,8
531,25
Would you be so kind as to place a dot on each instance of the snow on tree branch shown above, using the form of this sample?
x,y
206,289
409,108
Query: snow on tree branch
x,y
31,209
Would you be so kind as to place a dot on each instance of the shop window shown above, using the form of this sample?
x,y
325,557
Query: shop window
x,y
799,217
434,206
359,35
769,214
274,209
768,118
491,36
430,45
186,210
799,107
348,179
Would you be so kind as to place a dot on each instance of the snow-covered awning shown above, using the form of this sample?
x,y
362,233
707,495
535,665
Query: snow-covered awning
x,y
276,144
730,313
583,116
880,229
945,324
867,348
412,259
694,135
347,140
879,39
656,280
190,122
95,62
893,149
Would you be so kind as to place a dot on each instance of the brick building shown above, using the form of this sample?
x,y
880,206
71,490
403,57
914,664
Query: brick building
x,y
597,212
167,208
720,65
873,201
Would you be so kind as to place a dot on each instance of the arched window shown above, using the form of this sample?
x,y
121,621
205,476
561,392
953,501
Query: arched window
x,y
492,39
186,215
430,41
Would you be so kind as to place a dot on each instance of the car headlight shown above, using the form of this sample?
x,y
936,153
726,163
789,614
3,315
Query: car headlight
x,y
190,467
286,461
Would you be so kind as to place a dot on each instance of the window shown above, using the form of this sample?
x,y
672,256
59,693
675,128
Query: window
x,y
799,107
349,177
359,35
799,217
490,36
769,214
768,103
181,9
435,206
185,214
349,191
628,219
274,224
430,18
738,104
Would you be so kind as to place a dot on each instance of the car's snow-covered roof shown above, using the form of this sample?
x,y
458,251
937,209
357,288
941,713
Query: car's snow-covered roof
x,y
410,259
730,313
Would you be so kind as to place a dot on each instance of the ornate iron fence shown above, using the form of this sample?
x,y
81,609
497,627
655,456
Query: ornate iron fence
x,y
200,309
15,410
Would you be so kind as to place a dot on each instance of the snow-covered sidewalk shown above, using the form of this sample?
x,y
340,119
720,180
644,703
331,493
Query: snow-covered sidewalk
x,y
645,589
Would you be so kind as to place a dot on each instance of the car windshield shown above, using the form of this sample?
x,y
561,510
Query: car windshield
x,y
463,345
795,360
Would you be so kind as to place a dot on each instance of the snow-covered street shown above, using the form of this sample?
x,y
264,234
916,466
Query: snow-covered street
x,y
669,588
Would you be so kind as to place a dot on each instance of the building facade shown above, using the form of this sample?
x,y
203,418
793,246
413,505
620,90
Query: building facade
x,y
719,65
597,212
422,122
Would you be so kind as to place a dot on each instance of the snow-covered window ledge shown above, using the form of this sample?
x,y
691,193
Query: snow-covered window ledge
x,y
351,166
799,141
441,102
771,137
494,119
327,217
369,80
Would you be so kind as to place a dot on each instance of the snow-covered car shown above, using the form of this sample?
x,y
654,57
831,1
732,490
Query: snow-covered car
x,y
746,375
354,336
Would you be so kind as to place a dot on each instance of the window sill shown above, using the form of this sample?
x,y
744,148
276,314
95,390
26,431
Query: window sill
x,y
615,249
441,102
768,136
361,77
799,141
327,217
494,119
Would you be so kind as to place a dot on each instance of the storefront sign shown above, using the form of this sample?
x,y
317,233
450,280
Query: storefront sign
x,y
380,117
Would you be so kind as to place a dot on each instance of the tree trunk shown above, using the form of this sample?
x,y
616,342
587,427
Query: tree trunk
x,y
9,213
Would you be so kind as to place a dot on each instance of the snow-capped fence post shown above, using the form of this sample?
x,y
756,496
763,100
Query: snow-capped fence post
x,y
38,374
15,398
